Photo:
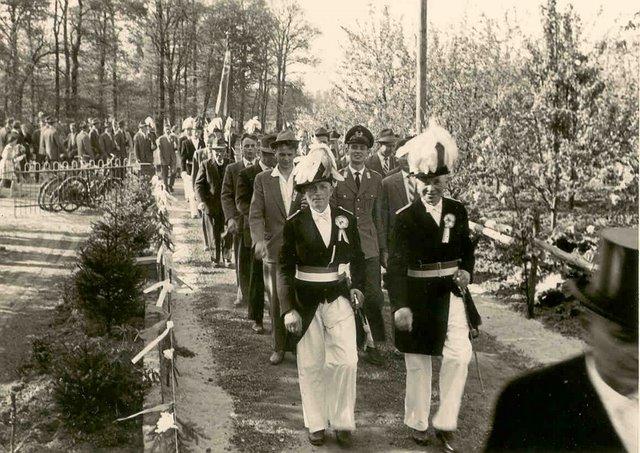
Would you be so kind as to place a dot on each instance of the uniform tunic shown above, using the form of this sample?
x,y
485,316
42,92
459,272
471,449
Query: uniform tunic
x,y
303,246
419,241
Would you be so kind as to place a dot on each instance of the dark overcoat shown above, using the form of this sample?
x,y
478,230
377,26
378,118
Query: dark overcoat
x,y
244,193
418,241
208,186
303,246
550,410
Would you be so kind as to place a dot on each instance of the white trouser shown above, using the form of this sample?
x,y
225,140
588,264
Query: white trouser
x,y
456,356
327,366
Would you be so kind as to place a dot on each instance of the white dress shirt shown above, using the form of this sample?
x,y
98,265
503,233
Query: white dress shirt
x,y
354,171
323,223
263,166
286,188
435,211
247,163
622,410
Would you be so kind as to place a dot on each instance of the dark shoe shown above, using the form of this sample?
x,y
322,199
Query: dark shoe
x,y
277,357
446,438
373,356
317,438
420,437
257,328
344,438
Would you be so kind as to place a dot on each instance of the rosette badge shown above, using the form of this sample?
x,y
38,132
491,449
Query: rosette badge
x,y
342,223
449,222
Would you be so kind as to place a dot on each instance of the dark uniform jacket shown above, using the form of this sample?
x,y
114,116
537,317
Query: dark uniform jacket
x,y
198,157
365,205
229,193
303,246
186,152
244,193
551,410
394,197
208,186
418,241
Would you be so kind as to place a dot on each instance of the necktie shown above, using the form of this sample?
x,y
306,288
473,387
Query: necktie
x,y
357,177
385,167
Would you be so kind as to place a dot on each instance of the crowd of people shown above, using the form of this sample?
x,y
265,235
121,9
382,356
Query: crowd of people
x,y
314,231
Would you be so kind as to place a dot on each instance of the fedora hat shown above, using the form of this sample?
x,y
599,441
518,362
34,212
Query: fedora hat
x,y
266,141
284,137
612,290
321,132
387,136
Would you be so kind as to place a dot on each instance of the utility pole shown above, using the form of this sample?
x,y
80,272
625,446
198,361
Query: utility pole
x,y
421,70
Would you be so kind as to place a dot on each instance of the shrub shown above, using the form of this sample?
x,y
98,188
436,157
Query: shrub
x,y
95,383
108,283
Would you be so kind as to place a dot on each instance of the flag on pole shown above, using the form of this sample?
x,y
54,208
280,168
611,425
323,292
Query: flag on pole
x,y
223,90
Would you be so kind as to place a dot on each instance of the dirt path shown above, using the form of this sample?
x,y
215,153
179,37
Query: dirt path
x,y
529,337
37,251
230,390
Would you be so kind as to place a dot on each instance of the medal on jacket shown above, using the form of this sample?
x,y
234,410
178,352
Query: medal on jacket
x,y
342,223
449,221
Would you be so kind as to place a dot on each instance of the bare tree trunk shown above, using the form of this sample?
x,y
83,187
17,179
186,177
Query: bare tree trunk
x,y
75,51
65,45
114,64
161,62
56,49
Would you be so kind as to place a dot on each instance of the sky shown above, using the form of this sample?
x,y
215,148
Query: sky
x,y
328,16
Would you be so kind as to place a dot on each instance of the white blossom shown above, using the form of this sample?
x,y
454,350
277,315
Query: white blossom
x,y
165,422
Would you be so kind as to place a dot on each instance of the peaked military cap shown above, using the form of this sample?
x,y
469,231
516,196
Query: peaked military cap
x,y
359,135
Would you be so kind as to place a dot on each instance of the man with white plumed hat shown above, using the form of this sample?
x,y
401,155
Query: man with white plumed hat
x,y
430,267
319,243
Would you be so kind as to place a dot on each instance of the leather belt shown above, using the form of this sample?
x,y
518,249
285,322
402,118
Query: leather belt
x,y
431,270
318,274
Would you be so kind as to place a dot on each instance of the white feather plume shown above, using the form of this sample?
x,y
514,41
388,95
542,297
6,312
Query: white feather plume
x,y
214,124
307,166
422,154
229,124
188,123
149,122
251,125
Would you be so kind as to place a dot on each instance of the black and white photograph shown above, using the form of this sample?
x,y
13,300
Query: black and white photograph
x,y
319,225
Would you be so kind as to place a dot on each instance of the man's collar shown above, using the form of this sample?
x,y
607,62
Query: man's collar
x,y
277,174
326,212
405,174
263,166
354,171
434,208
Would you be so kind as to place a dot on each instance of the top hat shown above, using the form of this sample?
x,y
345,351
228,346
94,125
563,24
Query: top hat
x,y
284,137
612,290
387,136
359,135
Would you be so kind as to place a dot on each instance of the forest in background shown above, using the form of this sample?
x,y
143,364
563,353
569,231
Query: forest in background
x,y
131,58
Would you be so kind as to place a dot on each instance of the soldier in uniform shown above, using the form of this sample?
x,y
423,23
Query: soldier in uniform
x,y
360,193
315,296
430,266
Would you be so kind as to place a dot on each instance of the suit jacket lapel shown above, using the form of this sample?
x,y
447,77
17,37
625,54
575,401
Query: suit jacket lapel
x,y
351,182
402,191
274,183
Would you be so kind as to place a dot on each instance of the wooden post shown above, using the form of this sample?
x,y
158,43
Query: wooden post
x,y
533,269
421,66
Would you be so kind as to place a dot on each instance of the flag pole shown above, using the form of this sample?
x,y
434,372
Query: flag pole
x,y
421,70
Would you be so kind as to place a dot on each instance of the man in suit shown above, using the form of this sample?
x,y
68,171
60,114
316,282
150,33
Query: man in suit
x,y
120,141
360,193
398,190
232,216
71,142
94,137
383,160
316,298
142,149
106,141
50,141
208,188
251,279
163,156
274,200
84,144
430,266
588,403
187,147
